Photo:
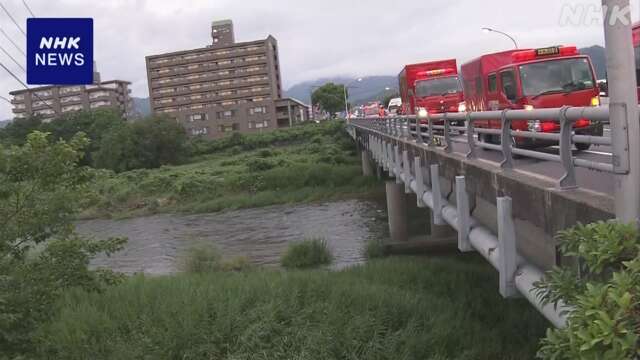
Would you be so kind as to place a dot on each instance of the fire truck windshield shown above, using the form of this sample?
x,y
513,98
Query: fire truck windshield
x,y
636,51
441,86
556,76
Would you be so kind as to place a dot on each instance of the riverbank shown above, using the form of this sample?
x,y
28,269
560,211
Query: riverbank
x,y
396,308
312,163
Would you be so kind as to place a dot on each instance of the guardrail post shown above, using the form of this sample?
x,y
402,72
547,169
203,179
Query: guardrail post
x,y
447,136
417,164
397,164
430,122
507,252
437,195
407,172
385,156
568,180
470,139
464,216
623,109
506,141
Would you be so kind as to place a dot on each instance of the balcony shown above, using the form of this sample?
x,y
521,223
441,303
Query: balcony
x,y
209,68
208,57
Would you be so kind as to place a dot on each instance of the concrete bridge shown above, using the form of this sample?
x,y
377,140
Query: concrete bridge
x,y
479,197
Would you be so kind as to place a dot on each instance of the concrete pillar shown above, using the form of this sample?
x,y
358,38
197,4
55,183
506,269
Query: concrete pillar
x,y
397,212
367,164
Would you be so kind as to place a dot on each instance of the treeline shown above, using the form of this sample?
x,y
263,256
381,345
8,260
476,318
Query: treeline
x,y
114,143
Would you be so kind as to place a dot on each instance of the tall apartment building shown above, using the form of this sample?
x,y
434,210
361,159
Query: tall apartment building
x,y
220,88
52,101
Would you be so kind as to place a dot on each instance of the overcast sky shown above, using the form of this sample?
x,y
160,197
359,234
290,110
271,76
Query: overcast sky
x,y
316,38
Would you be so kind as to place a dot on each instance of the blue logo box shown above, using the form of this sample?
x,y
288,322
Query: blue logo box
x,y
59,51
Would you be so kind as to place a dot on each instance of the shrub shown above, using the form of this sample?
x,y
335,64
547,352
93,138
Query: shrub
x,y
202,259
602,292
259,164
307,254
374,249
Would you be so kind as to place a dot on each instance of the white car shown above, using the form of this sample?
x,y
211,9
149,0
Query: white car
x,y
394,105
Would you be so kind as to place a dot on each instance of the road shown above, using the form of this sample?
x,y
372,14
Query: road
x,y
589,179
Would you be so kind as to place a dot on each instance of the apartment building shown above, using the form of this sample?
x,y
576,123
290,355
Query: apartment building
x,y
52,101
220,88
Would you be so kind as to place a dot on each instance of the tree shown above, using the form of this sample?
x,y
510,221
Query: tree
x,y
149,143
330,97
16,132
41,187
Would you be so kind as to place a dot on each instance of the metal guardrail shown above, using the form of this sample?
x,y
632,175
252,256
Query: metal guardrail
x,y
442,136
517,275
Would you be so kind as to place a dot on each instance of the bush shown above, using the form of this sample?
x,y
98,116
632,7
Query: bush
x,y
374,249
206,258
602,292
307,254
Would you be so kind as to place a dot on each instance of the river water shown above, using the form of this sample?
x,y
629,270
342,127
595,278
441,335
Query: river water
x,y
157,243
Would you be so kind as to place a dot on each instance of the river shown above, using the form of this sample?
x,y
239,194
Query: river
x,y
157,243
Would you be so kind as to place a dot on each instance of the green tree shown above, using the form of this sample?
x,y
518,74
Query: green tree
x,y
41,187
148,143
330,97
602,292
16,132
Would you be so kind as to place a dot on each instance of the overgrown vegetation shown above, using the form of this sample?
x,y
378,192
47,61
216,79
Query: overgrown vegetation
x,y
374,249
308,163
309,253
205,258
398,308
114,143
40,254
602,292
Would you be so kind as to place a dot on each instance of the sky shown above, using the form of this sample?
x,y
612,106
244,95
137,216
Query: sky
x,y
316,38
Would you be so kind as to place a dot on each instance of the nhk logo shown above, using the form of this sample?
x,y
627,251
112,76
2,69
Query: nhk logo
x,y
59,51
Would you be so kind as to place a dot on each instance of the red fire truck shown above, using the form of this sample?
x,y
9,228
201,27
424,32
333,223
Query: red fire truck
x,y
433,86
530,79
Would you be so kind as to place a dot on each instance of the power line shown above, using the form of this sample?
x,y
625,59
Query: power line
x,y
13,59
12,19
13,42
5,99
28,8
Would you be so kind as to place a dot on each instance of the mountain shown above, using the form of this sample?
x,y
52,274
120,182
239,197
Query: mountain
x,y
141,106
598,58
359,92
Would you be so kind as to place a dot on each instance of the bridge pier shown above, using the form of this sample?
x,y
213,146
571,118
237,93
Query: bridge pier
x,y
367,163
397,212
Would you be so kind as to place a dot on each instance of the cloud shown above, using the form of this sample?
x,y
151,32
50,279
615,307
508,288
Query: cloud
x,y
316,39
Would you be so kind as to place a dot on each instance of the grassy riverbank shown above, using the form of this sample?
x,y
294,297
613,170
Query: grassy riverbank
x,y
397,308
309,163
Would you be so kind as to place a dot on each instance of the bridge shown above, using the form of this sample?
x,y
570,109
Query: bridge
x,y
505,202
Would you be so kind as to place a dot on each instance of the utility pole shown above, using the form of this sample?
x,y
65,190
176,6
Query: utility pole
x,y
623,109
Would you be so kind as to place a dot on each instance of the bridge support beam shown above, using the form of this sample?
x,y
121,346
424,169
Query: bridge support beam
x,y
367,164
397,212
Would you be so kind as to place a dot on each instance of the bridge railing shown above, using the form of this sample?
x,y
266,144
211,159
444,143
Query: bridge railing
x,y
443,130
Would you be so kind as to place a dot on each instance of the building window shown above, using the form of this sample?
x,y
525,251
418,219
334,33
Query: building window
x,y
97,94
257,110
197,117
227,128
226,114
43,93
258,124
70,89
98,104
200,131
71,108
19,97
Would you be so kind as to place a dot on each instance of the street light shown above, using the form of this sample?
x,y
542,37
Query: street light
x,y
488,30
346,99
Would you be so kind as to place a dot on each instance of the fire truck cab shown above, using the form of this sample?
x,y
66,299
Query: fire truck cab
x,y
531,79
431,86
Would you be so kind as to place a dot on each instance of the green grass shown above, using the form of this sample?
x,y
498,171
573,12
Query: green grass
x,y
318,162
307,254
396,308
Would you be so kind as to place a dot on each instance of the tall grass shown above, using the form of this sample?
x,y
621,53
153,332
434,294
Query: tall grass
x,y
307,254
264,169
396,308
205,258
